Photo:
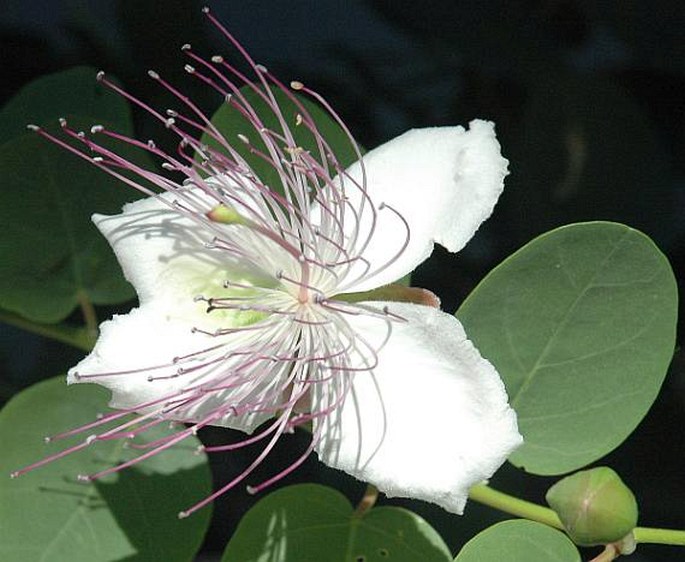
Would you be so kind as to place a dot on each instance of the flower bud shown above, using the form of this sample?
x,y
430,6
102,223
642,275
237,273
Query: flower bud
x,y
595,506
225,215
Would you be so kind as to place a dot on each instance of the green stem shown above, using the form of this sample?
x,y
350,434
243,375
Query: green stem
x,y
367,501
659,536
89,314
510,504
78,337
528,510
607,555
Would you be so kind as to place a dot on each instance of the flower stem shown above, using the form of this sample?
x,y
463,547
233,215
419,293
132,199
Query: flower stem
x,y
78,337
607,555
486,495
367,502
89,316
659,536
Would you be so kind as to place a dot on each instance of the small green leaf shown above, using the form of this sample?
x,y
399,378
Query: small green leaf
x,y
71,92
232,123
519,540
312,523
129,516
580,323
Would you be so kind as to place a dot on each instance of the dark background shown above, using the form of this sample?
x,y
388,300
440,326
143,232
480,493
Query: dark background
x,y
588,101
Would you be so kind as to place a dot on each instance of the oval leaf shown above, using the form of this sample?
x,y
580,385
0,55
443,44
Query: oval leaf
x,y
519,540
312,522
581,325
132,515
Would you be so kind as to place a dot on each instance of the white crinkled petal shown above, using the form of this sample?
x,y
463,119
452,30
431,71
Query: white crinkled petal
x,y
145,341
149,232
444,181
430,421
163,254
160,251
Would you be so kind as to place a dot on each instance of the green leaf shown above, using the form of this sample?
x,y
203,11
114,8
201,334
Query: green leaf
x,y
51,255
519,540
232,123
71,92
129,516
312,523
580,323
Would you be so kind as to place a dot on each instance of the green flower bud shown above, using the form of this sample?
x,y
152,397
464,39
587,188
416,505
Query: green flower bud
x,y
225,215
594,505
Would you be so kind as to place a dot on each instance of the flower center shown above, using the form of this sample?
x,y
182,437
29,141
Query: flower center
x,y
300,281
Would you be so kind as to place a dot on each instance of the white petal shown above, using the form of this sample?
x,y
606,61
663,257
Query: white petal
x,y
156,244
444,181
138,341
430,421
146,342
163,254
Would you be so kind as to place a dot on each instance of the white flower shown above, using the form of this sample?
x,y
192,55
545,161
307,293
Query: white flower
x,y
241,320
